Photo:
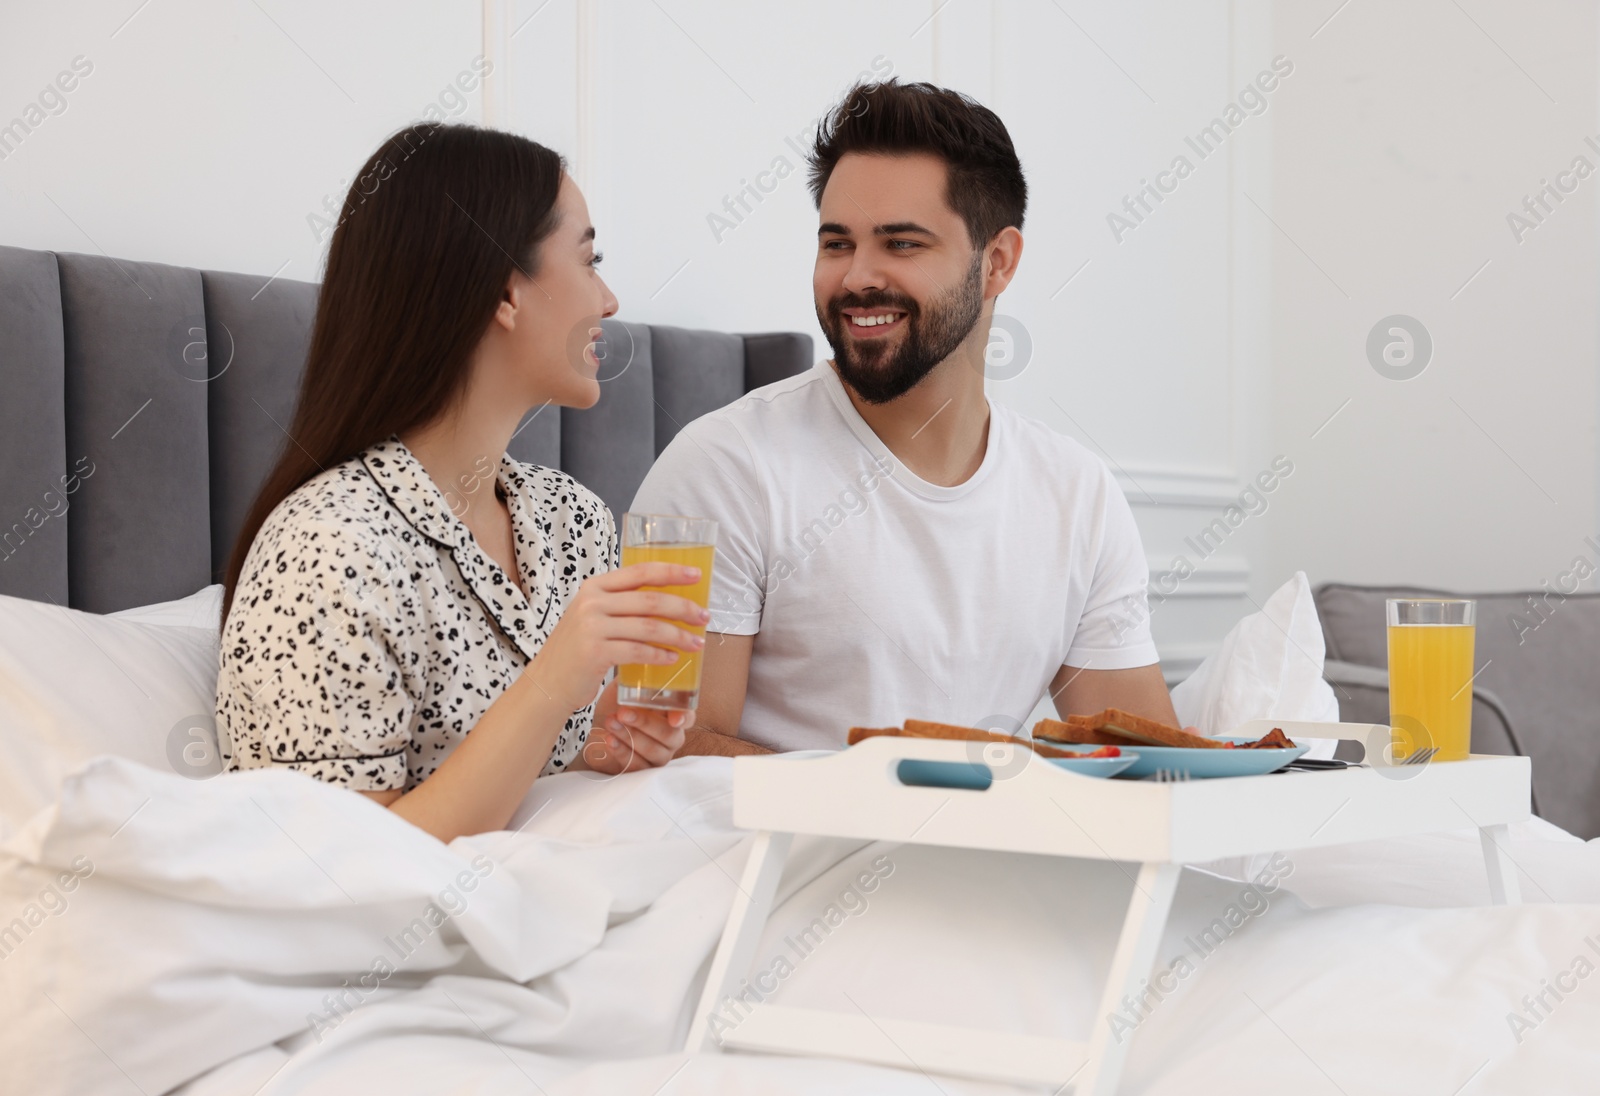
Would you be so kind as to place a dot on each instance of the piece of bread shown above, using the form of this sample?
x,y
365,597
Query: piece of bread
x,y
861,734
922,728
1076,728
1050,751
1128,727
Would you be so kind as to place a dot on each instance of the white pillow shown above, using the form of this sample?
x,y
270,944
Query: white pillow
x,y
76,685
1268,667
202,609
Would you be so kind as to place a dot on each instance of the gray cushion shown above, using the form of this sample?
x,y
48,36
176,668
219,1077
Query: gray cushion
x,y
135,413
256,338
692,370
1544,676
35,509
772,357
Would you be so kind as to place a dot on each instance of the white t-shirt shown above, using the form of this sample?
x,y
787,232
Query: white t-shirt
x,y
875,596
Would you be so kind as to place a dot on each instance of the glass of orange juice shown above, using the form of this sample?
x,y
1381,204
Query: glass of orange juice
x,y
668,538
1430,676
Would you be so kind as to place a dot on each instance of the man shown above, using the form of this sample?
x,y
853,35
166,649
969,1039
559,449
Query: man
x,y
890,543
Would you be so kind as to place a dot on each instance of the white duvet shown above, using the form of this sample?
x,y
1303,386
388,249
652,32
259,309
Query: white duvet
x,y
263,932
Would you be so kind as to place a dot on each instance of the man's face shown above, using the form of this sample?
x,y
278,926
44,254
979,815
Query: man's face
x,y
890,246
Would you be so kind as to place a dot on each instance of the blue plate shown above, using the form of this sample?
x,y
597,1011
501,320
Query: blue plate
x,y
1199,763
1097,766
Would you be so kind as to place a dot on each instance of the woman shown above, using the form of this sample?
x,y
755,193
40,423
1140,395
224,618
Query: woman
x,y
409,612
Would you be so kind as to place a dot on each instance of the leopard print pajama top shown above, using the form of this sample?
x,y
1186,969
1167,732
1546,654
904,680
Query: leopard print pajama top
x,y
369,632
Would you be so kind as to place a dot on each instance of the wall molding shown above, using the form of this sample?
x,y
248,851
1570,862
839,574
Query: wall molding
x,y
496,51
1156,485
1222,579
1219,577
1180,660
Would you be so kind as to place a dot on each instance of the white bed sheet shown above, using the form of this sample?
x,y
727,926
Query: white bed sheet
x,y
220,914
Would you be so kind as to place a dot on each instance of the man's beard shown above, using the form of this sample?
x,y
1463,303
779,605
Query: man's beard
x,y
878,374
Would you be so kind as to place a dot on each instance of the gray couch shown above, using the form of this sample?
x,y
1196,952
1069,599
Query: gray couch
x,y
143,404
1538,692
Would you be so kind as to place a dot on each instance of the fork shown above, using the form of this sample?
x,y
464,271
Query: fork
x,y
1303,764
1172,776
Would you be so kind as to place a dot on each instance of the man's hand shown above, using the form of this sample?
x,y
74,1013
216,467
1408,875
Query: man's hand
x,y
711,744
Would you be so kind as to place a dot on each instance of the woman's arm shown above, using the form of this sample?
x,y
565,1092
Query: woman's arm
x,y
480,784
610,621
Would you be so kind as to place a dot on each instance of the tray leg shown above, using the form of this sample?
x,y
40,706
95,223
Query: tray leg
x,y
736,951
1136,952
1504,887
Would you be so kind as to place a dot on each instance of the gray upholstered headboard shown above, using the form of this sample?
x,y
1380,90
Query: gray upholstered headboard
x,y
141,405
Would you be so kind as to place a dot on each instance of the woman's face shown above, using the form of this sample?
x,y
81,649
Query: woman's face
x,y
553,319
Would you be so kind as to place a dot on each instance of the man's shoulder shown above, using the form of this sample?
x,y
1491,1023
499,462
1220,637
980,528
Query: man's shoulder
x,y
726,459
1063,458
763,418
789,400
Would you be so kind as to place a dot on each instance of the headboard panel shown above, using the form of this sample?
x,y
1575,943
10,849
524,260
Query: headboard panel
x,y
143,404
254,347
139,523
33,427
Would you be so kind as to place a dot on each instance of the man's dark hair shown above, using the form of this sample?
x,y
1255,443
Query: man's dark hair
x,y
985,186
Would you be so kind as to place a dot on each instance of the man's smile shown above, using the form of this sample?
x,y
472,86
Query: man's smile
x,y
873,323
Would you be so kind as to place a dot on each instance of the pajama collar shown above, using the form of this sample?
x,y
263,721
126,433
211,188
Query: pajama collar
x,y
423,505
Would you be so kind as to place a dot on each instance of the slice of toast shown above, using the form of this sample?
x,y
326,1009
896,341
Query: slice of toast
x,y
1148,732
919,728
922,728
1050,751
861,734
1077,729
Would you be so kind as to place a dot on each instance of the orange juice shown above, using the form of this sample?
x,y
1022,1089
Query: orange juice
x,y
674,685
1430,690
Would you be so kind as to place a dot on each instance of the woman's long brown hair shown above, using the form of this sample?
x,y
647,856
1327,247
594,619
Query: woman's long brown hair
x,y
418,262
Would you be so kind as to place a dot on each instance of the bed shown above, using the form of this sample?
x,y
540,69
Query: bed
x,y
165,928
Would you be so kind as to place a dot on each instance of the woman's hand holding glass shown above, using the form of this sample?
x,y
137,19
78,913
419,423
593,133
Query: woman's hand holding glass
x,y
612,621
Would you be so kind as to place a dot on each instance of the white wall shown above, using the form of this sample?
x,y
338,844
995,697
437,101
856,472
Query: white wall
x,y
1411,132
681,113
1218,334
207,133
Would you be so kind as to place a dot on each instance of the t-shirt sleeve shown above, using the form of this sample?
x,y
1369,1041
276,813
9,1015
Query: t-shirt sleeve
x,y
708,471
311,650
1114,631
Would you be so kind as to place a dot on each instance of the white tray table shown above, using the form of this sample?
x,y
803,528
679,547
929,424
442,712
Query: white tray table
x,y
1034,807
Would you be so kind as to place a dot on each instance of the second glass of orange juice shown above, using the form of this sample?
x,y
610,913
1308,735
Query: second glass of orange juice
x,y
1430,676
668,538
